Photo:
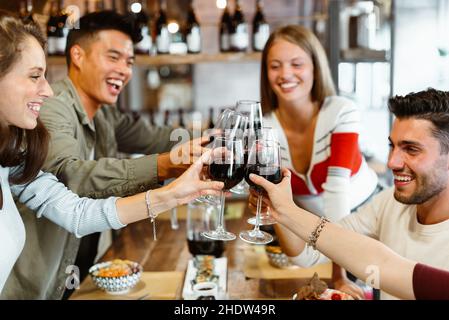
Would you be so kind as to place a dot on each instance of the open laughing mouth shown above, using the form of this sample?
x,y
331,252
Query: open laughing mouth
x,y
35,107
288,86
402,180
114,85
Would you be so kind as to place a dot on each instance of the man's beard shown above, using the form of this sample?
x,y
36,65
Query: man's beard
x,y
428,186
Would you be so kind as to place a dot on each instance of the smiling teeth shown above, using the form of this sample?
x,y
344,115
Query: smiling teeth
x,y
34,107
288,85
117,83
403,178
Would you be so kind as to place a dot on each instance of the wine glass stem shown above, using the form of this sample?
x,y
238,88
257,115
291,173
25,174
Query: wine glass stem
x,y
221,216
259,208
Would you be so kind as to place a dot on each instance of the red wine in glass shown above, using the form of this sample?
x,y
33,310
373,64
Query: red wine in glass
x,y
271,173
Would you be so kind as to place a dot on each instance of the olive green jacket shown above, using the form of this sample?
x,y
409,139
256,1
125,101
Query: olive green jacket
x,y
40,272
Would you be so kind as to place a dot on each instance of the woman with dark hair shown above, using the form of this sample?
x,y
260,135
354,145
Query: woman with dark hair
x,y
366,258
23,148
317,130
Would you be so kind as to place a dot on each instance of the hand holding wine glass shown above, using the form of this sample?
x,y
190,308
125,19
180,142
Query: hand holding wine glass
x,y
226,165
280,197
263,160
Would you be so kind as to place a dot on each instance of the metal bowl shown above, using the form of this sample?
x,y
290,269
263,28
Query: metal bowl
x,y
116,284
277,258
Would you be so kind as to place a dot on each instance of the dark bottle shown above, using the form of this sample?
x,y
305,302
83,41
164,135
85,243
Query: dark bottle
x,y
225,31
26,11
193,32
167,118
152,120
181,118
261,29
52,25
61,31
239,32
210,124
199,245
143,22
86,7
162,34
99,5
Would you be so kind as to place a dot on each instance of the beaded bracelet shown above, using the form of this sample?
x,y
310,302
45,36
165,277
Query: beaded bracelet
x,y
313,238
150,213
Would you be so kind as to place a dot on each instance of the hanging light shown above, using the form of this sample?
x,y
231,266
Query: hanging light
x,y
136,7
221,4
173,27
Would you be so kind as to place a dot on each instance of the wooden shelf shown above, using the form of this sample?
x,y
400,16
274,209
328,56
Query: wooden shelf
x,y
167,59
364,55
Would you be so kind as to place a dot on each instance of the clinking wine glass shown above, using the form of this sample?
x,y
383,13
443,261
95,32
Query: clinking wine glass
x,y
230,124
253,110
266,133
263,160
226,164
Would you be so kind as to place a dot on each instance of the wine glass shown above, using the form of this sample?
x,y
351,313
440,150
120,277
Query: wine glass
x,y
263,160
230,124
253,111
267,134
226,164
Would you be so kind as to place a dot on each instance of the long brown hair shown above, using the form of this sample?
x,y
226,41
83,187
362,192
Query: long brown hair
x,y
20,147
323,85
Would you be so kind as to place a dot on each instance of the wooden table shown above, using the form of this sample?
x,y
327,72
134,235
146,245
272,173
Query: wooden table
x,y
170,253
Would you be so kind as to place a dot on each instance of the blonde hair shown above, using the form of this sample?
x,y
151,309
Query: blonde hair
x,y
323,85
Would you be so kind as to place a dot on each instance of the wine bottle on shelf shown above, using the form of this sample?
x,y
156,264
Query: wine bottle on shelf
x,y
261,29
61,31
86,7
143,22
99,5
210,124
152,116
225,30
26,11
239,33
52,25
193,31
181,123
167,118
162,34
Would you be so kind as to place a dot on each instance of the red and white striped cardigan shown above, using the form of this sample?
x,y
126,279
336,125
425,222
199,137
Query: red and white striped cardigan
x,y
338,178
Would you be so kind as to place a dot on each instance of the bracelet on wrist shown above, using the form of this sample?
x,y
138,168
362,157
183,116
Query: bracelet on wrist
x,y
313,238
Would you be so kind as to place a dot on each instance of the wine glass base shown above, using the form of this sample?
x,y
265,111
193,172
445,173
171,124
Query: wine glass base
x,y
263,221
241,188
219,235
208,199
256,237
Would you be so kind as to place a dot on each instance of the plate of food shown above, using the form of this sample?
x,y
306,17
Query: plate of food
x,y
116,276
318,290
205,268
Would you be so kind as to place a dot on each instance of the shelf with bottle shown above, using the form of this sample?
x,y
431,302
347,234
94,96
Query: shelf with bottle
x,y
356,55
171,59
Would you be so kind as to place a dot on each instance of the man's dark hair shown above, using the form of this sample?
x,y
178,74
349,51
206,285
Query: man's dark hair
x,y
431,105
92,23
